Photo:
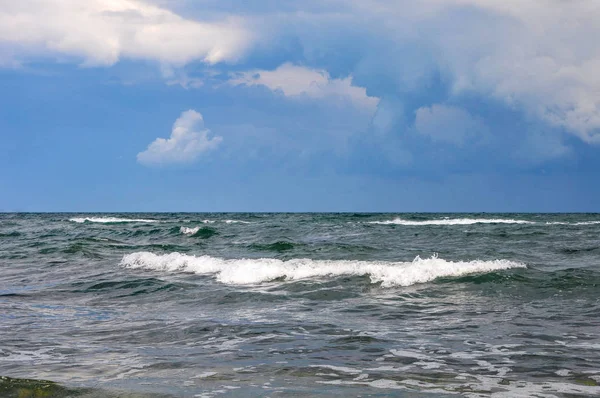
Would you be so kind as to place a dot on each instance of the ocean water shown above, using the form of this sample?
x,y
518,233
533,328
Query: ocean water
x,y
242,305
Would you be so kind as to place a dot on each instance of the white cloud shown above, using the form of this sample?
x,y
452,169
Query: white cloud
x,y
449,124
103,31
189,139
541,57
545,60
297,81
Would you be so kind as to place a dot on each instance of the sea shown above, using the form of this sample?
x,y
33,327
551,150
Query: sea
x,y
294,305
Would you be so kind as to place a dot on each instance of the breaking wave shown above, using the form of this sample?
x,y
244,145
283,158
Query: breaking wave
x,y
470,221
225,221
198,232
108,220
573,223
188,230
451,221
254,271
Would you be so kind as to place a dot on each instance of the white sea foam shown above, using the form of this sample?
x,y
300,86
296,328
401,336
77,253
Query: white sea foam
x,y
573,223
253,271
451,221
189,231
226,221
107,220
470,221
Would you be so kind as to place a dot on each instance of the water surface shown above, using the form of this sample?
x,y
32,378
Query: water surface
x,y
302,304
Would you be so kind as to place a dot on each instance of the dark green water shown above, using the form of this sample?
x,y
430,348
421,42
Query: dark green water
x,y
300,304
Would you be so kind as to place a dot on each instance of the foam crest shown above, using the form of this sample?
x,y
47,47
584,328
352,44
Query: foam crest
x,y
451,221
254,271
574,223
225,221
189,231
108,220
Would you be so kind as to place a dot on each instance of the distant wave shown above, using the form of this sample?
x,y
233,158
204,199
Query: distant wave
x,y
573,223
253,271
108,220
470,221
226,221
451,221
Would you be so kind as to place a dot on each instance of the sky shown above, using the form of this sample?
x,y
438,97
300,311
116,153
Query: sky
x,y
330,105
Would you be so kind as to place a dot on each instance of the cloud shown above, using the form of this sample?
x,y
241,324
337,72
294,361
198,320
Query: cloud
x,y
542,146
537,57
448,124
542,60
298,81
188,141
101,32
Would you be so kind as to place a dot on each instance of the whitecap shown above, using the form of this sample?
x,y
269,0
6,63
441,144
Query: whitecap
x,y
254,271
226,221
108,220
451,221
188,230
574,223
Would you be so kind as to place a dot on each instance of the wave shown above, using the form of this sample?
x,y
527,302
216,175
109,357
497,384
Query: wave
x,y
254,271
198,232
13,234
225,221
188,230
573,223
109,220
278,246
451,221
470,221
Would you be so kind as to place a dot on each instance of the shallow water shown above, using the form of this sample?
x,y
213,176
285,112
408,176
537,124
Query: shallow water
x,y
303,304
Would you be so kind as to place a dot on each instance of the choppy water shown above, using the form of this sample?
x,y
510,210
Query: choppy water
x,y
301,304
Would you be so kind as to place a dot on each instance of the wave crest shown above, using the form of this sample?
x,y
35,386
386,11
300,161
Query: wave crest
x,y
189,230
573,223
254,271
451,221
198,232
108,220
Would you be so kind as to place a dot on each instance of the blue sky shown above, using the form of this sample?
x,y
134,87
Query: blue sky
x,y
371,105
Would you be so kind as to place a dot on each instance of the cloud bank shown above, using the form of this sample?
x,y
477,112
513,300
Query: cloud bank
x,y
538,59
101,32
188,141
